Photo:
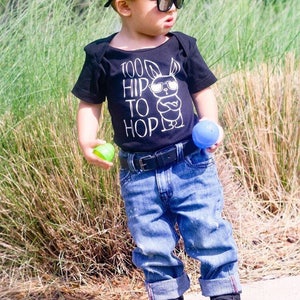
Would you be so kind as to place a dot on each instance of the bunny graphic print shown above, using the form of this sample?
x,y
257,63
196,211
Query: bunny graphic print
x,y
165,89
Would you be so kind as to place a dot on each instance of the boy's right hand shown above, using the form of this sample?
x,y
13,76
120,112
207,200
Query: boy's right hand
x,y
92,158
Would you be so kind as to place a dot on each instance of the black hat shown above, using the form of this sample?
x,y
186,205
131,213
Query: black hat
x,y
107,4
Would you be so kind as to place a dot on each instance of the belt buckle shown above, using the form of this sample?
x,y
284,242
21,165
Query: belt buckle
x,y
142,165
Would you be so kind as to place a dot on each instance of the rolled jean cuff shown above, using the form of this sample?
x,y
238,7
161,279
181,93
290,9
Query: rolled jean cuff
x,y
168,289
221,286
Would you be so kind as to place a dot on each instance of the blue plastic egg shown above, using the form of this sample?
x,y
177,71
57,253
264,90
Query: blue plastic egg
x,y
205,134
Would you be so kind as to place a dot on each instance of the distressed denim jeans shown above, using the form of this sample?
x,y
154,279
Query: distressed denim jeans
x,y
188,194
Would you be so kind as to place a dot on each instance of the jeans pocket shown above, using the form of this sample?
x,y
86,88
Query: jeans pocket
x,y
124,176
199,159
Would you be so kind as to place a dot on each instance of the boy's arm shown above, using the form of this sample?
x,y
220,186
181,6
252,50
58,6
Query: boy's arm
x,y
87,125
207,108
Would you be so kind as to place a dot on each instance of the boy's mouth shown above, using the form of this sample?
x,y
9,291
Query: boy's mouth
x,y
170,21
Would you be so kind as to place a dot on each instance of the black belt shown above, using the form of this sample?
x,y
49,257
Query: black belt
x,y
159,159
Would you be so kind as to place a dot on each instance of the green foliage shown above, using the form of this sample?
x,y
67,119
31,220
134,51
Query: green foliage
x,y
41,51
236,34
79,6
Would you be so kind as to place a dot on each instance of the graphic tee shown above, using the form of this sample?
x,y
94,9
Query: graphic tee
x,y
148,91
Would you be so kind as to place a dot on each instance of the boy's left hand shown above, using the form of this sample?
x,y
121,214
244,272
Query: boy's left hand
x,y
214,147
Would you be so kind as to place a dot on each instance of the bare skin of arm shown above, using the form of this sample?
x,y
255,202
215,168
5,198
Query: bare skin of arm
x,y
207,108
88,116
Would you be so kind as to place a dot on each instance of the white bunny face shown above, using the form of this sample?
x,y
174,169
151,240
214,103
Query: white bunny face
x,y
164,86
165,89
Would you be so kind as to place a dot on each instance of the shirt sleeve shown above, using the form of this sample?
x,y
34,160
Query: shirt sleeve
x,y
200,76
90,86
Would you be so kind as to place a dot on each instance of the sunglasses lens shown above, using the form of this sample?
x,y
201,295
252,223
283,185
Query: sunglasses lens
x,y
164,5
178,3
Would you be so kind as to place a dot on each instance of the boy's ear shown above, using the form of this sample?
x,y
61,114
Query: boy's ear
x,y
122,7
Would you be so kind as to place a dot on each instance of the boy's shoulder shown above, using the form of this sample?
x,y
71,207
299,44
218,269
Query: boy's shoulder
x,y
98,47
183,36
187,42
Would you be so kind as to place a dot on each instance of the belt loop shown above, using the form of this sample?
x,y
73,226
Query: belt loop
x,y
179,152
130,161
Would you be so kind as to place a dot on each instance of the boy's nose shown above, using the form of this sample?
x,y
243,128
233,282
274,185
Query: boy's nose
x,y
173,7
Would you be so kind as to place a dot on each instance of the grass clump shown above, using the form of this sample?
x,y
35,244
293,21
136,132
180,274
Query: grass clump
x,y
41,51
235,35
261,110
58,214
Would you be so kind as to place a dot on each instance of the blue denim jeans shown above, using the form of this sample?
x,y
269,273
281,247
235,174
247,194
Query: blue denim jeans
x,y
188,194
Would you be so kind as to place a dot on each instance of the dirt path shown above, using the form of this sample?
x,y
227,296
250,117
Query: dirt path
x,y
276,289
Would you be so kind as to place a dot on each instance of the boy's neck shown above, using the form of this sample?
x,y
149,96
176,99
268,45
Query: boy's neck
x,y
130,41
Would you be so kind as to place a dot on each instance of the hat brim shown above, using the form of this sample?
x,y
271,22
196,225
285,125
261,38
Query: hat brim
x,y
107,4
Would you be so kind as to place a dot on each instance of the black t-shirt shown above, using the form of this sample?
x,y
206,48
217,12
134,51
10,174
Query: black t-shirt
x,y
148,91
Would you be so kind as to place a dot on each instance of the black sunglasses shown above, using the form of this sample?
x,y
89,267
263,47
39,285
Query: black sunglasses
x,y
162,5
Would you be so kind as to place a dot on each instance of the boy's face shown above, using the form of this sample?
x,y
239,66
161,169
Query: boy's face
x,y
146,18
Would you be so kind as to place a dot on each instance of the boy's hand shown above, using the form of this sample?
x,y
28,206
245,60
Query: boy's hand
x,y
214,147
92,158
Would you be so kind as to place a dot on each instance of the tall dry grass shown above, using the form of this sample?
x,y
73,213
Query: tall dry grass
x,y
63,230
58,215
261,109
